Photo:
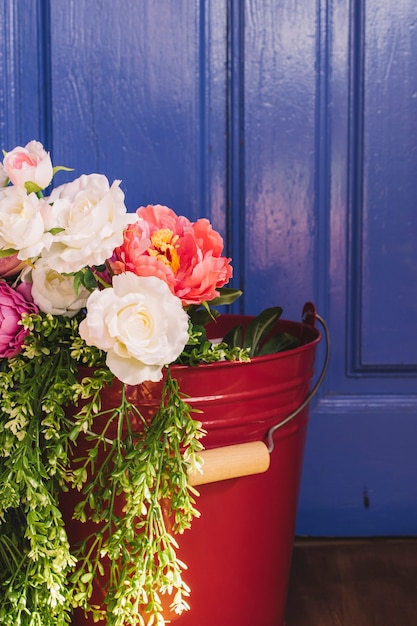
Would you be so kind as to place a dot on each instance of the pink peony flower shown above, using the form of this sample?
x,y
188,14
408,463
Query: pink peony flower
x,y
13,304
188,256
29,164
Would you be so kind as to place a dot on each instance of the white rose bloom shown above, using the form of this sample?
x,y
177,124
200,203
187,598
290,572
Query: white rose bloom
x,y
92,216
139,323
22,225
54,293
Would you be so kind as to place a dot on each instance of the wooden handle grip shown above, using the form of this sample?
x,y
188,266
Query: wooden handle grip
x,y
242,459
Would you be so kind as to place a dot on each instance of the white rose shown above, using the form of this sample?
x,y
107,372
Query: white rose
x,y
92,216
29,164
139,323
54,293
22,225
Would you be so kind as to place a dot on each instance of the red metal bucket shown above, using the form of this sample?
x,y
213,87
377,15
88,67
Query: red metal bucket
x,y
239,551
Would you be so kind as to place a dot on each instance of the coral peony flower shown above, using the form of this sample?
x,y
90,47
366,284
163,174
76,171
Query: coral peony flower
x,y
139,323
204,269
13,304
188,256
29,164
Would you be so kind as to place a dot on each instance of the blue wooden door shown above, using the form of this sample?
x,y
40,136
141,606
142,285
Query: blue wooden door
x,y
293,127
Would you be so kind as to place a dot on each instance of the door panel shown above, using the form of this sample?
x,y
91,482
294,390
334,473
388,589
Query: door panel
x,y
389,217
279,149
132,87
361,461
293,127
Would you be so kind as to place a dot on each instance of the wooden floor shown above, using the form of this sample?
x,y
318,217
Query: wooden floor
x,y
353,583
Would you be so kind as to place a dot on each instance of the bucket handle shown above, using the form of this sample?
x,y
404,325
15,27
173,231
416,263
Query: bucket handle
x,y
245,459
309,317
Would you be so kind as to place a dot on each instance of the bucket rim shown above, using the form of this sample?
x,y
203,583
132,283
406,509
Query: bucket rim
x,y
275,356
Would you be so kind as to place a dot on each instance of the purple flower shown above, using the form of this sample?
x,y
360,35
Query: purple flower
x,y
14,303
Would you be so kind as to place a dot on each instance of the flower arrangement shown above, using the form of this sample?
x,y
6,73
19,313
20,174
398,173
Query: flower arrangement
x,y
90,296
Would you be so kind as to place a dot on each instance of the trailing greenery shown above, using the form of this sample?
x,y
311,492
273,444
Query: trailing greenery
x,y
35,447
134,548
47,449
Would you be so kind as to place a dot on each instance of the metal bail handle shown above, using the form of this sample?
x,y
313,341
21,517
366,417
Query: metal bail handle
x,y
309,317
245,459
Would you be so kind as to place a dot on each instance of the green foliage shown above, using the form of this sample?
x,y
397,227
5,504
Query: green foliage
x,y
4,253
62,168
41,577
257,338
86,278
33,188
200,315
135,548
35,557
200,350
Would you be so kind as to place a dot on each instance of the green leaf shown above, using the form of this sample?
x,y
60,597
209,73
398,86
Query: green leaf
x,y
201,317
85,578
227,296
205,313
88,279
77,282
259,327
59,168
6,253
255,339
32,187
234,338
278,343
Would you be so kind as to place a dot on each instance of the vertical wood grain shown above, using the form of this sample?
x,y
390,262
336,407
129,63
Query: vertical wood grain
x,y
24,64
280,101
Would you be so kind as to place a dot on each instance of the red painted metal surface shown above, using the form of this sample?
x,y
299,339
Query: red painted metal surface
x,y
239,552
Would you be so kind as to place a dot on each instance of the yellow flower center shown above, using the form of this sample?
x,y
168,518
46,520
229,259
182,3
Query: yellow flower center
x,y
164,248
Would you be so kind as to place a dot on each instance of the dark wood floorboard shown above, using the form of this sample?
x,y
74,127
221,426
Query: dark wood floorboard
x,y
353,583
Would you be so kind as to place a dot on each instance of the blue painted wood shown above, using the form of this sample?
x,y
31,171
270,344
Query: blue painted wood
x,y
293,126
360,460
235,147
389,223
147,105
280,110
24,63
